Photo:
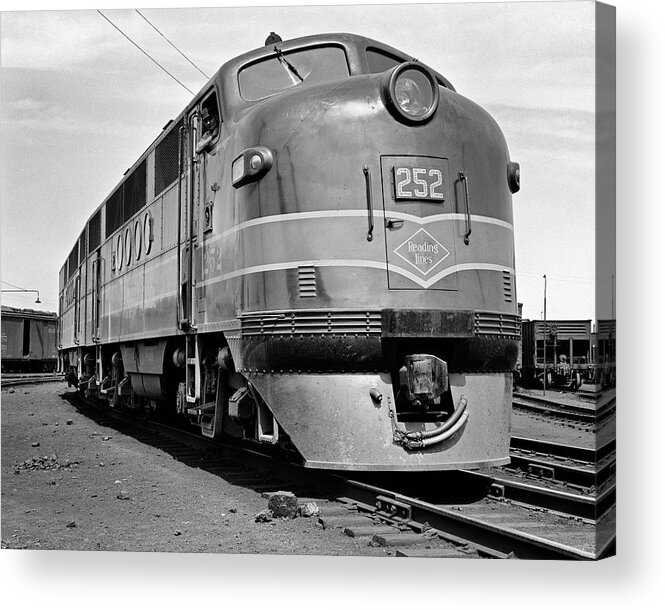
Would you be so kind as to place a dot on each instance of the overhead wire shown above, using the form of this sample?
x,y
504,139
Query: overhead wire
x,y
145,53
13,285
152,25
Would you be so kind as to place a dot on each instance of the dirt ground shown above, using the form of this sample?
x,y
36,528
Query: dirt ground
x,y
87,487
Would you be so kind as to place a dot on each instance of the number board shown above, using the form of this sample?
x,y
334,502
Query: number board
x,y
412,181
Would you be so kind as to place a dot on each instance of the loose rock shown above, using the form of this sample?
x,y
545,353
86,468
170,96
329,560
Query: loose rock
x,y
264,516
35,444
309,509
122,495
283,504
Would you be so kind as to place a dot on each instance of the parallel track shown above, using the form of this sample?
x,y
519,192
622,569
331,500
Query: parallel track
x,y
592,413
576,466
21,380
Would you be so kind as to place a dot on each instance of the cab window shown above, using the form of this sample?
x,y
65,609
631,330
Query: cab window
x,y
283,71
210,121
380,61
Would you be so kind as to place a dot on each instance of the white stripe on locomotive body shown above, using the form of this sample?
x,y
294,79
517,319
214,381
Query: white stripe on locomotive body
x,y
168,257
381,265
363,213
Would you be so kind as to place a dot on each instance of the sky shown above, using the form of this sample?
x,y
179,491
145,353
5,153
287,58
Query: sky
x,y
80,103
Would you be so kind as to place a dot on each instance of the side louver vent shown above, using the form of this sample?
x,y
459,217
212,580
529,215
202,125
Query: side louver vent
x,y
307,282
507,287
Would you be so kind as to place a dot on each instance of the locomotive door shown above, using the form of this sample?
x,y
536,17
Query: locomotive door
x,y
187,233
96,296
209,170
197,209
77,308
419,206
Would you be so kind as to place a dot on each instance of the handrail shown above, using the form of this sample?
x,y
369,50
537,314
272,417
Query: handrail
x,y
370,207
463,178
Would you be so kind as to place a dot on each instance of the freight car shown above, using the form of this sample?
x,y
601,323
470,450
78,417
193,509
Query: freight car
x,y
568,359
28,340
603,346
317,254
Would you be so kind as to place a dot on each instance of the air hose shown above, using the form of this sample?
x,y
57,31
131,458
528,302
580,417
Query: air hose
x,y
414,440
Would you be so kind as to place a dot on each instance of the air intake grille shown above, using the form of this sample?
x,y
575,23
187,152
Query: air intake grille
x,y
314,322
167,159
306,282
497,325
507,287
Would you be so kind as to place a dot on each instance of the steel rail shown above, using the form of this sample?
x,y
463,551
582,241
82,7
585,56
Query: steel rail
x,y
6,383
591,468
474,530
591,414
584,506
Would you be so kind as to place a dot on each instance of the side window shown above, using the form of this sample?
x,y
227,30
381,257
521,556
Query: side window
x,y
210,122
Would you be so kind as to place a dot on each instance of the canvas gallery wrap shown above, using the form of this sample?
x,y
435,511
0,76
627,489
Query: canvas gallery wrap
x,y
338,283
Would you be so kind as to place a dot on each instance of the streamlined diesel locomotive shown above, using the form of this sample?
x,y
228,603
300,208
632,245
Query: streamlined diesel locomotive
x,y
317,254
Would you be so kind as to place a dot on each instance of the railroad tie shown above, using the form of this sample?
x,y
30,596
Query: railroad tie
x,y
406,539
360,531
343,521
435,553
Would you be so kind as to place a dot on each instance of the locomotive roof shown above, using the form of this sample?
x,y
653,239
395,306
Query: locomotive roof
x,y
229,70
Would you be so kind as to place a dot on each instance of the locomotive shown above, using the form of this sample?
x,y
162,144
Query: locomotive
x,y
315,255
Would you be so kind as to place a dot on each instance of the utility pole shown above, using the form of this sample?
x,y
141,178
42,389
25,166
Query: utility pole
x,y
545,336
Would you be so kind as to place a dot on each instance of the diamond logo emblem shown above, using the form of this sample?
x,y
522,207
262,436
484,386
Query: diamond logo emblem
x,y
422,251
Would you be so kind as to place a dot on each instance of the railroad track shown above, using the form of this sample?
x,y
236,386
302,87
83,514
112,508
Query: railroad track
x,y
19,380
575,466
592,413
493,517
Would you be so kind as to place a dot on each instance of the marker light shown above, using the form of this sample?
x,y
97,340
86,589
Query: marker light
x,y
513,177
411,92
251,165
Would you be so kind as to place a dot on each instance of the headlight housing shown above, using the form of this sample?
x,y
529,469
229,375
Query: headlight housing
x,y
514,177
251,165
411,92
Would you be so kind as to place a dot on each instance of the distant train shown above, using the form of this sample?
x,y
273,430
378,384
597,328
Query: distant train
x,y
317,254
28,340
576,353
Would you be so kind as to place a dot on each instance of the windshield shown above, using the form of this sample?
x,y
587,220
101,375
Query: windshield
x,y
282,71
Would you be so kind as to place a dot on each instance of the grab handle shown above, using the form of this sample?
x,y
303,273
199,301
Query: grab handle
x,y
465,182
370,207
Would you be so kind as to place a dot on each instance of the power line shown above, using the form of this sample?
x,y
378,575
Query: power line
x,y
142,51
167,40
14,285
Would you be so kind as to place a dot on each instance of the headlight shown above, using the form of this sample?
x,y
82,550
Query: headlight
x,y
411,92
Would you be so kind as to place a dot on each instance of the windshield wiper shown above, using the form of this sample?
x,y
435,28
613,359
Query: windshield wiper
x,y
288,64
